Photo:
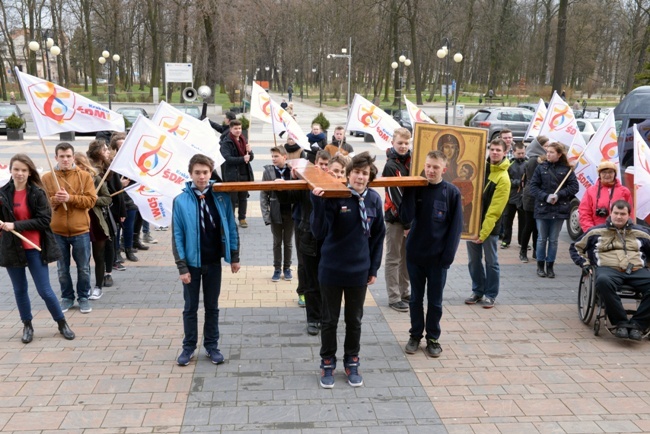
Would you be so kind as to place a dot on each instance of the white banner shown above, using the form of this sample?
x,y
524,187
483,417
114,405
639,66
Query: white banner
x,y
603,146
281,121
416,114
560,125
260,104
536,123
366,117
196,133
641,176
153,157
154,207
56,109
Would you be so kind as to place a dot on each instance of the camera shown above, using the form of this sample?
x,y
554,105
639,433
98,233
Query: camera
x,y
602,212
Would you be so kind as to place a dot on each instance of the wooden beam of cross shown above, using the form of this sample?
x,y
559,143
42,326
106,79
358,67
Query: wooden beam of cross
x,y
312,177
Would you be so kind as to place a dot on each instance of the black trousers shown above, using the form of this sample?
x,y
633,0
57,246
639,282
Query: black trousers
x,y
608,279
509,218
353,313
530,228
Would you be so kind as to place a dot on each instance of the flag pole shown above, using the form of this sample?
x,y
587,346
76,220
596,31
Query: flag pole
x,y
103,179
23,238
49,162
564,180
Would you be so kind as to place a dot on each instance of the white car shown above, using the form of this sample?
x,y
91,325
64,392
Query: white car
x,y
588,127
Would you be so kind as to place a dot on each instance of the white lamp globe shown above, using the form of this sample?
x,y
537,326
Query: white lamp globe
x,y
116,57
458,57
394,65
407,62
55,51
441,53
101,60
105,54
34,46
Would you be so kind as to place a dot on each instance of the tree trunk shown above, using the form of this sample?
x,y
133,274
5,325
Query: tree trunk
x,y
86,6
560,47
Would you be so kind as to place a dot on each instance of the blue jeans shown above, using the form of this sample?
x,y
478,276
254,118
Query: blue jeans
x,y
129,225
435,277
80,245
548,233
211,276
41,278
485,281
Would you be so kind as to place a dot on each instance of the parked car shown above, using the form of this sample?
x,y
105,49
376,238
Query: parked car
x,y
592,113
132,113
192,110
403,119
529,106
495,119
7,110
588,127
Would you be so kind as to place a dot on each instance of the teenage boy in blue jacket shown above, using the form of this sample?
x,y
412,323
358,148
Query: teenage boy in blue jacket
x,y
352,233
435,215
203,232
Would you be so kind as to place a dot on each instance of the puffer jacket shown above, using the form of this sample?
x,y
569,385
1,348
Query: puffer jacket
x,y
588,205
495,198
12,253
607,246
545,181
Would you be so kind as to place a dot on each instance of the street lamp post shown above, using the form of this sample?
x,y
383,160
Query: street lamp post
x,y
102,60
348,56
50,49
313,72
266,68
443,53
398,92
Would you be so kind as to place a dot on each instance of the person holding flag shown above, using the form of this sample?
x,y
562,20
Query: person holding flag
x,y
238,155
598,199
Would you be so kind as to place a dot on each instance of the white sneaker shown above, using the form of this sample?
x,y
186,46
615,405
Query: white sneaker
x,y
96,293
147,238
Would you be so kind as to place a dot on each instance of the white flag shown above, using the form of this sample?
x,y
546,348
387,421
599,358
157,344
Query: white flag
x,y
192,131
56,109
536,124
560,125
416,114
153,157
603,146
260,103
282,121
641,176
5,174
154,207
367,117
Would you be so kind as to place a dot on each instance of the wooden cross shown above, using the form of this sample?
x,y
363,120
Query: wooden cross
x,y
312,177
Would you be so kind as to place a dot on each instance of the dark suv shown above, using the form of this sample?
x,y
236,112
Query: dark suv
x,y
495,119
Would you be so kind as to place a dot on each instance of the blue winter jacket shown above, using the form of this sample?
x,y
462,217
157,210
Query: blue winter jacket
x,y
186,242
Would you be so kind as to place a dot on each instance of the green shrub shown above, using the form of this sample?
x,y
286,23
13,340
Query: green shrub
x,y
14,122
468,118
322,120
245,123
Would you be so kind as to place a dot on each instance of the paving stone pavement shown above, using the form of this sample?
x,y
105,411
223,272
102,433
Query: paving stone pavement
x,y
527,365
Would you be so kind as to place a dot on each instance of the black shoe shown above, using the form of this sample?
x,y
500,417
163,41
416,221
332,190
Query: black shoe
x,y
399,306
433,348
473,299
138,244
540,269
621,333
549,270
412,345
108,280
131,256
64,328
28,332
635,334
312,328
523,258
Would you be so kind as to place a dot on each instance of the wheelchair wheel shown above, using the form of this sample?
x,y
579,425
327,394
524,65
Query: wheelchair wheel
x,y
586,298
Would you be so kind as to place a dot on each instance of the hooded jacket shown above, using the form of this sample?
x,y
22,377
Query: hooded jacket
x,y
545,181
607,246
495,198
533,152
396,165
12,253
608,195
80,186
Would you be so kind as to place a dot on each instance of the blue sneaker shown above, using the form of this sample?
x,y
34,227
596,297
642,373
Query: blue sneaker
x,y
287,274
215,356
327,367
66,304
352,371
276,275
185,357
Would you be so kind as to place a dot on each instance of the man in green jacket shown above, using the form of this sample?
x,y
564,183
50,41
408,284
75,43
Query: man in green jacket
x,y
485,281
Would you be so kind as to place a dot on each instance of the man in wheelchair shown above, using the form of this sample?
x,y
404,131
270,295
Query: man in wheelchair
x,y
617,252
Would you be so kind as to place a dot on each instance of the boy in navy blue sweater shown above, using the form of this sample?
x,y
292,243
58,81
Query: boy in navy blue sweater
x,y
352,233
435,213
